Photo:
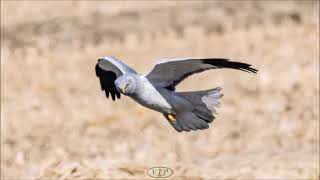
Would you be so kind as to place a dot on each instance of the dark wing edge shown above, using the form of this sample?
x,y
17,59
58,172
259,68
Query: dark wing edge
x,y
107,79
226,63
197,65
216,64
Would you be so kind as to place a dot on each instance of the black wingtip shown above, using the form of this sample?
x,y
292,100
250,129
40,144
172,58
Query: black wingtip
x,y
107,93
97,70
247,68
107,79
226,63
118,95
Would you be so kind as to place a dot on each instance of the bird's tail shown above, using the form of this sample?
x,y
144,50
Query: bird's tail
x,y
204,102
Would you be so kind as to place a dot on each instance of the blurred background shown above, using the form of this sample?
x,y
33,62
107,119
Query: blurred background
x,y
57,123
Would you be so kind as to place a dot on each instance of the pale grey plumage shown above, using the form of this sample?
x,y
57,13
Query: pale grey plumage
x,y
185,111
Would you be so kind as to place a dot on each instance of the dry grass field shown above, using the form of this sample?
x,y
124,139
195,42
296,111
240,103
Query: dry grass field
x,y
56,122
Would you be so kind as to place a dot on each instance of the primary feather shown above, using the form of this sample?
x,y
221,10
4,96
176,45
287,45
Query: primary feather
x,y
170,72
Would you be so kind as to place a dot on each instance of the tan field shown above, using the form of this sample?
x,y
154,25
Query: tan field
x,y
56,122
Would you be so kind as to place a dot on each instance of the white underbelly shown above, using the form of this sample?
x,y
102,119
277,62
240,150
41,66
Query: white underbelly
x,y
151,98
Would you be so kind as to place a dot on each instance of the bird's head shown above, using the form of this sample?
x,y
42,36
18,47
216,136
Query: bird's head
x,y
126,84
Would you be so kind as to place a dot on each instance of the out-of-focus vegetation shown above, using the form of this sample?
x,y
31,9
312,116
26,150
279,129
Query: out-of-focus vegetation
x,y
56,123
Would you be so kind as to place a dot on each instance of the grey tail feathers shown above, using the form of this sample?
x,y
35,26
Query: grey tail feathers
x,y
204,102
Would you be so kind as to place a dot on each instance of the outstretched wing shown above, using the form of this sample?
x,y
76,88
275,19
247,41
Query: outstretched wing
x,y
170,72
108,69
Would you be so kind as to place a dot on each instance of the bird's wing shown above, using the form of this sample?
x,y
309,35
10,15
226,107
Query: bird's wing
x,y
170,72
108,69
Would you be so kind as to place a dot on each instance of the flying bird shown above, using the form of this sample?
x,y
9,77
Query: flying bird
x,y
185,111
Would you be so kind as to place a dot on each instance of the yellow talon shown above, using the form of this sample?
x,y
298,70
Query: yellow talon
x,y
171,117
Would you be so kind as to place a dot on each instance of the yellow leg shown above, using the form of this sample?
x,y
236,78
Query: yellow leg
x,y
171,118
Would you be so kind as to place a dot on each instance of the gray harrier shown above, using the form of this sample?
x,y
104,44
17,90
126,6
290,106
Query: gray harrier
x,y
185,111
